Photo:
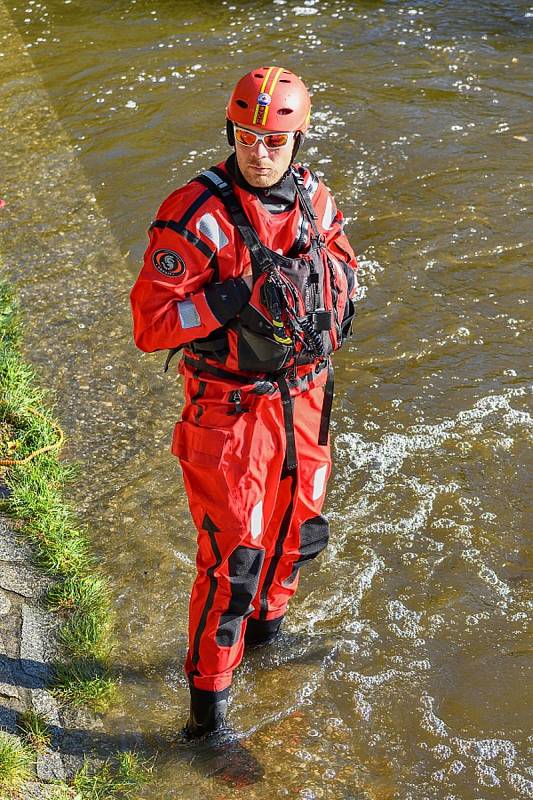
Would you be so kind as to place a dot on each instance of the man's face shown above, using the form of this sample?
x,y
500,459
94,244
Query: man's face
x,y
262,166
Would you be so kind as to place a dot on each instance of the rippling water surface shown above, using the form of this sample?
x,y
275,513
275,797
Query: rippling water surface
x,y
402,674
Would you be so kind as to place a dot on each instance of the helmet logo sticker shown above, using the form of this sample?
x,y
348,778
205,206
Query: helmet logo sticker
x,y
168,263
264,99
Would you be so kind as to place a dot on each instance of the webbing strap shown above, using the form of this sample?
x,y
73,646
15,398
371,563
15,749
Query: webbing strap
x,y
307,205
200,365
288,422
326,406
215,179
171,353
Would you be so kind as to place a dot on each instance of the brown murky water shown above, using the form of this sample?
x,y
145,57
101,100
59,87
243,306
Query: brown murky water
x,y
402,674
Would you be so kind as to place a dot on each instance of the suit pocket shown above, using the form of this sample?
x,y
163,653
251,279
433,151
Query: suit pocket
x,y
196,445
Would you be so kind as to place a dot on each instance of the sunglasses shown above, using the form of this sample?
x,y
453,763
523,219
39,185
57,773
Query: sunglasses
x,y
271,140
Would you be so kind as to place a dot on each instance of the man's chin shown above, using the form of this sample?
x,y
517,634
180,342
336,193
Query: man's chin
x,y
260,180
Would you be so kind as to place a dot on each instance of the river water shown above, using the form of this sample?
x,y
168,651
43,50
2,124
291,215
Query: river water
x,y
403,670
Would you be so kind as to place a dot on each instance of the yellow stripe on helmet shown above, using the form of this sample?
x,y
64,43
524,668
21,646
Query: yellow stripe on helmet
x,y
261,90
271,92
267,76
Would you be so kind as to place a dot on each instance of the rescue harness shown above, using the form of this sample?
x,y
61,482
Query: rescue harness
x,y
297,329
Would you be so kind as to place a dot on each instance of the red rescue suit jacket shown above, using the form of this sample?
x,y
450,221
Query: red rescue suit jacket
x,y
194,243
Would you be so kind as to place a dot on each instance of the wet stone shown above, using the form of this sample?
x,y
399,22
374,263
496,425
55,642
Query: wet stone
x,y
50,766
12,548
5,604
8,686
8,717
36,646
21,580
43,703
10,631
38,791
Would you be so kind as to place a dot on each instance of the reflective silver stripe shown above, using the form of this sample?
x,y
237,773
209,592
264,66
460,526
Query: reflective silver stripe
x,y
189,316
210,228
217,180
319,481
327,219
256,521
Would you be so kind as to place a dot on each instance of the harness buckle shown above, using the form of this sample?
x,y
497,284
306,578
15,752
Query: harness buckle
x,y
263,387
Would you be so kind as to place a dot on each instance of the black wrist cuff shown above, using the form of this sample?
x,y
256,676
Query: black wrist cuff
x,y
226,299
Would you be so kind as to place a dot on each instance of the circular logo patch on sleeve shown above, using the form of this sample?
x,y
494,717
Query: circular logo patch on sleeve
x,y
168,263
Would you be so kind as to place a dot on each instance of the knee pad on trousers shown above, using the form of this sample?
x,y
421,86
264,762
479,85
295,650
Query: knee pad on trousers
x,y
244,567
314,536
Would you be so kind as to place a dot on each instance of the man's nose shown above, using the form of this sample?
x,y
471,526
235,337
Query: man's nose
x,y
260,149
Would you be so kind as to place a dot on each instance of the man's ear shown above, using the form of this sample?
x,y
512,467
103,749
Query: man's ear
x,y
230,133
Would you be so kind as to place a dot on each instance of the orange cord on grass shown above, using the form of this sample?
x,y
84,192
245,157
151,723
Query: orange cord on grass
x,y
9,462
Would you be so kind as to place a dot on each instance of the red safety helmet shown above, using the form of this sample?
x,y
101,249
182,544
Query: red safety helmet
x,y
272,98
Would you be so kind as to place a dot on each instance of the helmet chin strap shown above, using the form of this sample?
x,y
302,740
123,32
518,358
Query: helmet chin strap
x,y
299,138
230,133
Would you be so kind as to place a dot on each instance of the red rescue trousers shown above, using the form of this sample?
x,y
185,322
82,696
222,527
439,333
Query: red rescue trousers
x,y
257,521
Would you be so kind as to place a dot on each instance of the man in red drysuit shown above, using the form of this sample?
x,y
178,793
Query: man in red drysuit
x,y
249,271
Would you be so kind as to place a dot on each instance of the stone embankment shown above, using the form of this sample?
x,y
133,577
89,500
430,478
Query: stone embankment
x,y
28,650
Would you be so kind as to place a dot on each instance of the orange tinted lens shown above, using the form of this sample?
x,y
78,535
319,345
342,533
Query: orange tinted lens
x,y
276,139
245,137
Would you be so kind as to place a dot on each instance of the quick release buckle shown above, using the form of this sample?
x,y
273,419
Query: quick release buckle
x,y
321,319
263,387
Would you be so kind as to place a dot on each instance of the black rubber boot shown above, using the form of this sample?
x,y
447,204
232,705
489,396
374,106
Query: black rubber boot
x,y
261,632
208,713
218,752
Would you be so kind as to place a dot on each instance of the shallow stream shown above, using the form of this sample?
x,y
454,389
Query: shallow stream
x,y
402,674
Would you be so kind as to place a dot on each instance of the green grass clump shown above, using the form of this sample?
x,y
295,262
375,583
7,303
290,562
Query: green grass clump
x,y
86,633
10,328
35,731
120,778
16,760
85,683
36,500
88,592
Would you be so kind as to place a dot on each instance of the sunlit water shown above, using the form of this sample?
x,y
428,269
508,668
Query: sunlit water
x,y
402,673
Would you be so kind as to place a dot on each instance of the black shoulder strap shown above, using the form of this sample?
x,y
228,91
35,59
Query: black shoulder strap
x,y
216,180
306,202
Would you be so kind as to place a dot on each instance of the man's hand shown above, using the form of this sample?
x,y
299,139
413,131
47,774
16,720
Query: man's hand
x,y
226,298
249,281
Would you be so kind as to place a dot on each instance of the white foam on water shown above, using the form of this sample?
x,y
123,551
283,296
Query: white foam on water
x,y
318,606
404,623
486,574
361,706
521,784
490,760
385,457
303,11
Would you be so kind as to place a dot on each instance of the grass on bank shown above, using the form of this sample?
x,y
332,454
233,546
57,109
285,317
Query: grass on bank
x,y
35,731
36,502
123,777
81,595
16,760
119,778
